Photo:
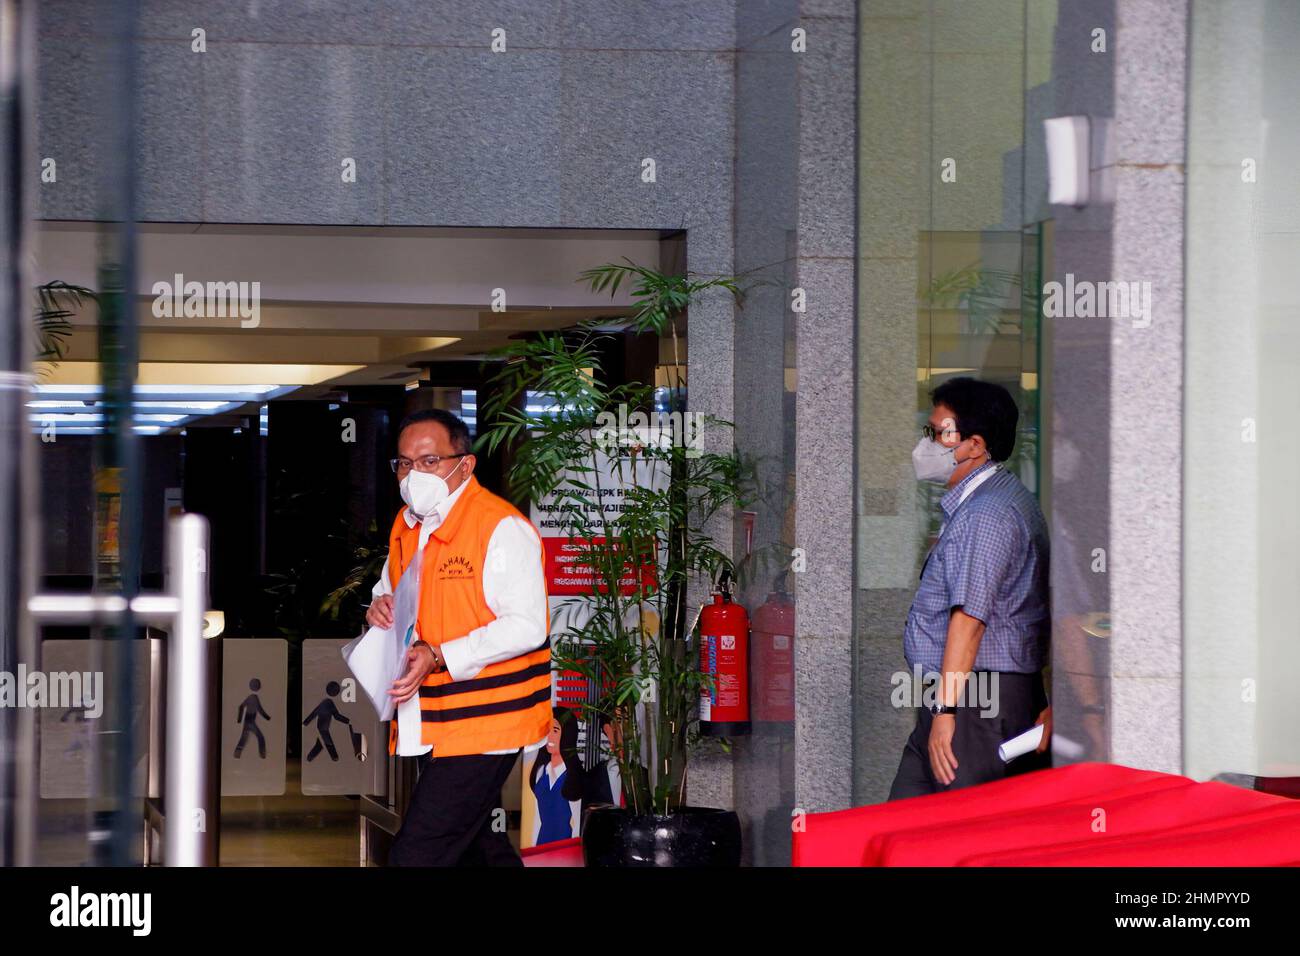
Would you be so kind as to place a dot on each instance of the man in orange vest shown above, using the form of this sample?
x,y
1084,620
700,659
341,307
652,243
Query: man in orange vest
x,y
477,688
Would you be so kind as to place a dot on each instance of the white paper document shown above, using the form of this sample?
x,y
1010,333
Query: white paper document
x,y
378,657
1065,748
1022,744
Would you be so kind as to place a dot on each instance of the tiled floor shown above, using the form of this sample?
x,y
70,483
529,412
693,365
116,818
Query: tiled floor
x,y
290,830
287,830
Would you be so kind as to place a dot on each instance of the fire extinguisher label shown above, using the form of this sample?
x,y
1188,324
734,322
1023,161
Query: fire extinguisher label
x,y
722,663
728,690
710,651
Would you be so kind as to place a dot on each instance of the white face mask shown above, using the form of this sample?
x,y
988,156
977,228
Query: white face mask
x,y
933,461
423,491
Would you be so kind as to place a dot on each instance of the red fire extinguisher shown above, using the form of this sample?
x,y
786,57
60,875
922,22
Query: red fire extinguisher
x,y
724,655
774,661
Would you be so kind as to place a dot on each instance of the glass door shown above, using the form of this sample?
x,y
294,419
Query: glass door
x,y
950,258
75,758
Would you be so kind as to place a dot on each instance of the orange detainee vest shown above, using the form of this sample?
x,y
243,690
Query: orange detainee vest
x,y
505,705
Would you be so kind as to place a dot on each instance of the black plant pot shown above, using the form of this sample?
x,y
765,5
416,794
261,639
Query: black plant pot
x,y
692,836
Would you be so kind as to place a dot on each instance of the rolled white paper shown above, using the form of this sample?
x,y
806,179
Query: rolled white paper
x,y
1068,749
1020,745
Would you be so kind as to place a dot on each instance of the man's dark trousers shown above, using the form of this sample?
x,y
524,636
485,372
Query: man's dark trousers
x,y
450,818
1020,699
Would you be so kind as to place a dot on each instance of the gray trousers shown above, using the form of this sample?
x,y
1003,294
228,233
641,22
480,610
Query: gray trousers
x,y
1020,698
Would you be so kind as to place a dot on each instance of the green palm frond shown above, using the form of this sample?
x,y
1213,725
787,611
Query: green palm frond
x,y
56,303
645,554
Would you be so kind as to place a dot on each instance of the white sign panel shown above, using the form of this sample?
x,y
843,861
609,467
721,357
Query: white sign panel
x,y
77,704
343,742
254,722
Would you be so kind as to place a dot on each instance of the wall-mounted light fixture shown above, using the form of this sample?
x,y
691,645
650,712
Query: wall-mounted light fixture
x,y
1080,160
1067,160
214,623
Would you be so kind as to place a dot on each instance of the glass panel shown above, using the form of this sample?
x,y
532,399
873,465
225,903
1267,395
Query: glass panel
x,y
950,266
85,435
1242,543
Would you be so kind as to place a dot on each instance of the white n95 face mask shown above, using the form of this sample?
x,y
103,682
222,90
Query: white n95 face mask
x,y
423,492
933,461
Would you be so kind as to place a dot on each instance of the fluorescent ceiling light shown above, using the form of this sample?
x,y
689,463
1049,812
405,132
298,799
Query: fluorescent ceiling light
x,y
159,392
96,430
190,406
58,417
214,390
169,406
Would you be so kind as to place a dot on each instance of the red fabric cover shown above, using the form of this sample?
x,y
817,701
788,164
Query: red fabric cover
x,y
1267,837
1282,786
1072,821
841,837
560,853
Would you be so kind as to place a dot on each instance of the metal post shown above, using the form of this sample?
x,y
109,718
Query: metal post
x,y
192,802
189,735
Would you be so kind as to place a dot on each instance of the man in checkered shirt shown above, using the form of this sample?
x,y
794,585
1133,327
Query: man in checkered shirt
x,y
979,627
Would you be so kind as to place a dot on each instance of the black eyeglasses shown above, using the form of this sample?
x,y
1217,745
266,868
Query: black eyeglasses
x,y
932,433
401,466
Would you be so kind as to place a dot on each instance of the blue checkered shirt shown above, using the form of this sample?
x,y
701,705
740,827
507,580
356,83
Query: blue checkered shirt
x,y
991,561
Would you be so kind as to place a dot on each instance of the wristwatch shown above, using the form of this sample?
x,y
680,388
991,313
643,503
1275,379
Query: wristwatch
x,y
940,709
439,664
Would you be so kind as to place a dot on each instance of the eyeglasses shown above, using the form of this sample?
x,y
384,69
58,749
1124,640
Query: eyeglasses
x,y
401,466
932,433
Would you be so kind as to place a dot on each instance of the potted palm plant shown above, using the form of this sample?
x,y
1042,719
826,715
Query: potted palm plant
x,y
623,473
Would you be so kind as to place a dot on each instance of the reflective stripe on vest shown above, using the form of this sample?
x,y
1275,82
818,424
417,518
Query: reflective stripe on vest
x,y
505,705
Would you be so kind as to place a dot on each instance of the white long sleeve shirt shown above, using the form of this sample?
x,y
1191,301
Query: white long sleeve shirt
x,y
515,592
